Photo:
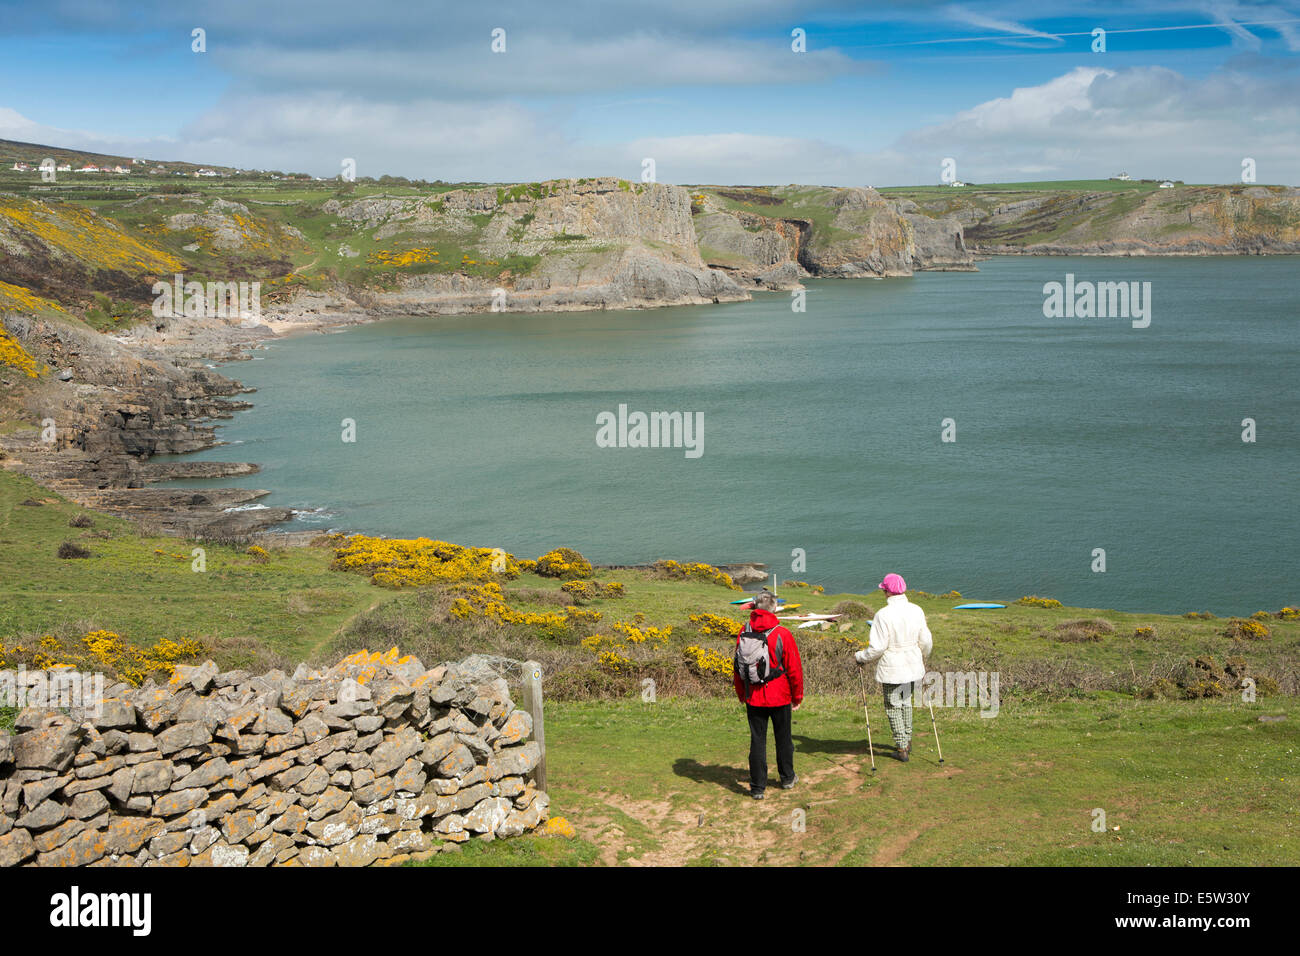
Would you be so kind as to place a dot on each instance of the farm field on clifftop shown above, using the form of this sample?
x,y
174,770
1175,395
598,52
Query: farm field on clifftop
x,y
1189,783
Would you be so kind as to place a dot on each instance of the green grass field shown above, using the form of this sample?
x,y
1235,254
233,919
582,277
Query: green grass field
x,y
286,607
1180,784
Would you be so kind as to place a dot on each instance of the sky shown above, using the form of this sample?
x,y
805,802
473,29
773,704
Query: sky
x,y
713,91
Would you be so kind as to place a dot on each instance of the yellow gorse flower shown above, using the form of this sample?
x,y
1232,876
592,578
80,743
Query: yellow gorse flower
x,y
11,351
707,662
715,625
698,572
108,653
397,562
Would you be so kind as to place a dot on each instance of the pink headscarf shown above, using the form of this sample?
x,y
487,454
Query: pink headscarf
x,y
893,584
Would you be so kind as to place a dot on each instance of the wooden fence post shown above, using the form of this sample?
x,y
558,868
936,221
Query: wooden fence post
x,y
533,701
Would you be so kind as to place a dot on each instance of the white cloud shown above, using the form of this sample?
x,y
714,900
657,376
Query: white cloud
x,y
1086,123
1149,121
982,21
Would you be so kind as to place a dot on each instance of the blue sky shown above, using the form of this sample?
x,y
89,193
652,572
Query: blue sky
x,y
712,91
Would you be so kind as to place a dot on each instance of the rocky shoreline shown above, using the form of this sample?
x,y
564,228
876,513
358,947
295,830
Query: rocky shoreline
x,y
115,405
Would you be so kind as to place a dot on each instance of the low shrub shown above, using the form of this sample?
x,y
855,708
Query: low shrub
x,y
854,610
418,562
715,625
1241,629
581,590
69,550
104,652
563,563
1084,630
676,571
705,662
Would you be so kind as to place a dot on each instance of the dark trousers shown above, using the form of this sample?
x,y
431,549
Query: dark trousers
x,y
758,718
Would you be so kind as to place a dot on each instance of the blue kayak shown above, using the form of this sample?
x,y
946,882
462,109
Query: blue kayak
x,y
976,607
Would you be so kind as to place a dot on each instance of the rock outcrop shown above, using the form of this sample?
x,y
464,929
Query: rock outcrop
x,y
1182,220
563,245
772,237
112,410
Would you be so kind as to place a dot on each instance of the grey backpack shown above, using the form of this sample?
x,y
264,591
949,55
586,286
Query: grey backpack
x,y
754,663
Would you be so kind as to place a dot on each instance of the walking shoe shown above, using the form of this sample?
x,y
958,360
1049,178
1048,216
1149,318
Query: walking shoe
x,y
757,794
790,785
904,752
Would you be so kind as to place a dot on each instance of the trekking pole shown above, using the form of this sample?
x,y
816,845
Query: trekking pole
x,y
935,728
862,682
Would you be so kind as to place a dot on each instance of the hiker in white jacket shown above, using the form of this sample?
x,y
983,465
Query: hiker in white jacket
x,y
900,641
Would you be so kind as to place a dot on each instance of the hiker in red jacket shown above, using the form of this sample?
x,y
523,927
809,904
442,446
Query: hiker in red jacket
x,y
769,682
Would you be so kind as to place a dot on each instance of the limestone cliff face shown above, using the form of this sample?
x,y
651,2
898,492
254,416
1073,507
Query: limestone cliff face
x,y
1182,220
770,237
555,246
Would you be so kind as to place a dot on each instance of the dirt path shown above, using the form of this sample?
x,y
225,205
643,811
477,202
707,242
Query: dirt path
x,y
324,641
712,824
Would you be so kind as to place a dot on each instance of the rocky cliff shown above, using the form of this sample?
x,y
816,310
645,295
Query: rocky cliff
x,y
1134,220
106,410
555,246
771,237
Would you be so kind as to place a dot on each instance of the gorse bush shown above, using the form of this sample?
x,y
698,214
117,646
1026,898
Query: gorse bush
x,y
676,571
398,563
1241,629
563,563
854,610
715,625
706,662
581,590
103,652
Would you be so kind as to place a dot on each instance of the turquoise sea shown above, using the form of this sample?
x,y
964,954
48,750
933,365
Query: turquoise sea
x,y
822,431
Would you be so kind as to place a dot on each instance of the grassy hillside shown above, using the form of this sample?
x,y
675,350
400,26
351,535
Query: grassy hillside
x,y
143,588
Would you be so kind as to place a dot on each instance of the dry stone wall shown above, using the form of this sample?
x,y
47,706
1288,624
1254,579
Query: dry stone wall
x,y
375,759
